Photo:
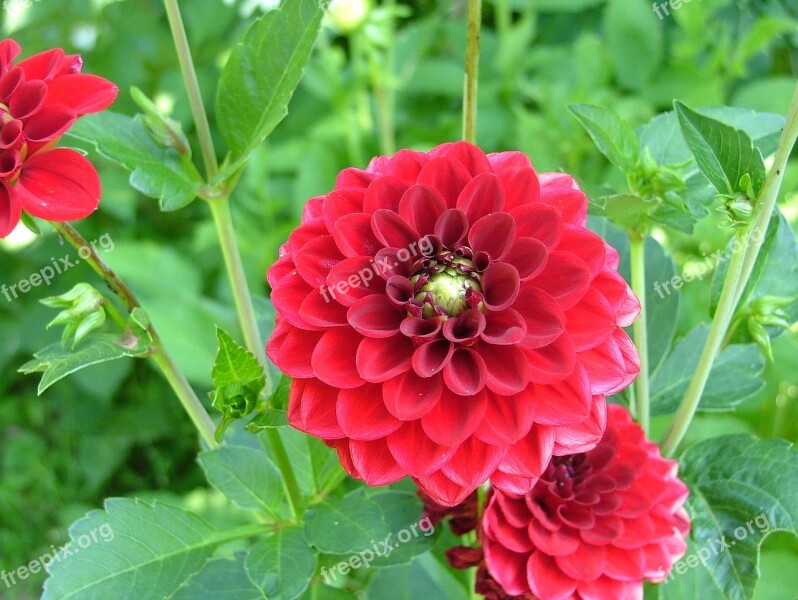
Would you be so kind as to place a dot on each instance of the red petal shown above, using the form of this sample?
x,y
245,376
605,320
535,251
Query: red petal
x,y
470,156
362,414
385,193
504,328
506,368
566,402
9,82
507,568
503,162
49,63
49,123
375,316
354,236
59,185
540,222
321,311
406,164
392,230
408,396
9,50
10,134
353,178
562,192
545,320
315,259
521,186
381,359
294,353
442,490
451,227
374,462
420,207
582,436
473,462
612,365
546,580
512,484
606,587
497,527
566,278
288,296
530,456
10,210
340,203
528,256
447,176
507,418
352,270
493,234
501,285
306,232
551,363
454,418
333,358
480,197
465,374
432,357
586,245
415,452
28,98
590,322
561,542
82,93
585,563
311,408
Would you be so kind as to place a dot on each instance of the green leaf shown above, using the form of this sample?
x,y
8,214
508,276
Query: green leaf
x,y
141,551
410,537
246,476
261,74
613,136
55,363
741,488
724,154
282,565
626,210
345,525
634,37
268,419
156,172
735,376
316,465
221,579
425,577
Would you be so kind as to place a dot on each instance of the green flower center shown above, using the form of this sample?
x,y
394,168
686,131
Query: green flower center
x,y
450,287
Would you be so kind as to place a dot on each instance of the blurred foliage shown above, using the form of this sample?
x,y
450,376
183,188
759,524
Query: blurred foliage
x,y
383,76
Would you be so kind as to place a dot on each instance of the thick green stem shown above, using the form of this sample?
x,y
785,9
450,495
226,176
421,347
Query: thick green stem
x,y
740,269
383,83
640,330
191,404
220,209
472,71
192,89
284,464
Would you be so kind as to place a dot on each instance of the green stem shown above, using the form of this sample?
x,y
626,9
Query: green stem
x,y
382,81
284,464
220,209
740,269
472,71
192,88
191,404
640,329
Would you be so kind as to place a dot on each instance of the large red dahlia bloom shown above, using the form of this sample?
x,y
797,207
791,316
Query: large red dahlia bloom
x,y
447,315
595,525
40,98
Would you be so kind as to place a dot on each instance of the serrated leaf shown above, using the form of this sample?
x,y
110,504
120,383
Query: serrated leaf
x,y
282,565
261,74
55,363
740,488
402,511
613,136
246,476
723,153
221,579
150,551
156,172
345,525
234,363
735,376
424,577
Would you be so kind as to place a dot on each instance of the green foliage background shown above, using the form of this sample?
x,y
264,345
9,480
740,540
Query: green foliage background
x,y
115,430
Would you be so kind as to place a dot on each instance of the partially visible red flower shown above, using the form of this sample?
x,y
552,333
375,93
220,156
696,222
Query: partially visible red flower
x,y
464,516
448,316
40,98
594,526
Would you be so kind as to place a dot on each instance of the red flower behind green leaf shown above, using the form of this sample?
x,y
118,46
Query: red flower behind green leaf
x,y
487,334
40,98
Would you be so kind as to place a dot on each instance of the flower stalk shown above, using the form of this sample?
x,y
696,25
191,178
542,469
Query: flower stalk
x,y
740,269
640,331
472,71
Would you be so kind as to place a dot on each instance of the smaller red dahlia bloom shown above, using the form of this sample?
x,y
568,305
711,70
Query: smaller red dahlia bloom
x,y
40,98
594,526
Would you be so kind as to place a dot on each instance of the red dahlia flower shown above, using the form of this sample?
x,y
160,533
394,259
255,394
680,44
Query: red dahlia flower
x,y
594,526
447,315
40,98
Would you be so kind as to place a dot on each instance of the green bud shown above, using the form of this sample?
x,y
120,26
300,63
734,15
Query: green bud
x,y
163,130
83,312
761,338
